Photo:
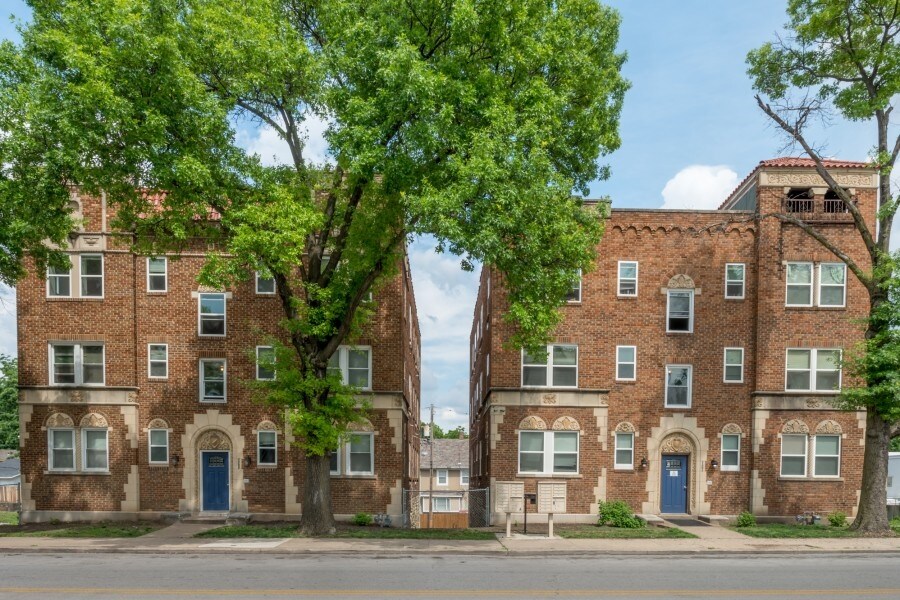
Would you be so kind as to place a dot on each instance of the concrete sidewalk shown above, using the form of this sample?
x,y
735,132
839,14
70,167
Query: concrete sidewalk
x,y
178,539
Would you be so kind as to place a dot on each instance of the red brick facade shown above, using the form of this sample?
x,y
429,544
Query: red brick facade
x,y
129,403
688,251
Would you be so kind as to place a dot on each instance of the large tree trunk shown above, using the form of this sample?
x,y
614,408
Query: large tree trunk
x,y
317,517
871,517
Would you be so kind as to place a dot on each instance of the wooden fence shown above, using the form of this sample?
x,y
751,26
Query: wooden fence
x,y
9,494
448,520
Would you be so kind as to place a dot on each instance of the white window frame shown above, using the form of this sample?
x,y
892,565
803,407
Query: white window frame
x,y
259,447
811,284
726,364
67,275
257,279
78,363
690,385
690,294
274,374
50,435
722,465
343,353
151,446
84,450
813,371
815,455
619,278
82,276
349,461
337,459
625,362
742,281
575,300
441,477
464,477
165,274
150,361
441,500
549,367
820,285
549,452
628,465
805,455
224,314
224,399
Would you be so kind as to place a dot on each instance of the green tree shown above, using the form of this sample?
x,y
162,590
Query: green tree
x,y
9,403
843,56
471,120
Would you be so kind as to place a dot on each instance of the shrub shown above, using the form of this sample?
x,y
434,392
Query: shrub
x,y
746,519
837,519
618,514
362,519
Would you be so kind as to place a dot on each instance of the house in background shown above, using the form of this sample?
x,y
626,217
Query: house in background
x,y
9,482
450,483
696,365
132,396
893,478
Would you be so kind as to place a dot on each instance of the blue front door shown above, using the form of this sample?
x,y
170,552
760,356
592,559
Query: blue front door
x,y
215,480
674,483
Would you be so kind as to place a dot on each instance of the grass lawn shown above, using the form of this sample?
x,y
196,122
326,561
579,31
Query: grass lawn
x,y
9,518
781,530
289,530
81,530
596,532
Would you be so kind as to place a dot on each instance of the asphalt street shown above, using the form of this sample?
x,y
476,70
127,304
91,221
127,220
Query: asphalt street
x,y
58,576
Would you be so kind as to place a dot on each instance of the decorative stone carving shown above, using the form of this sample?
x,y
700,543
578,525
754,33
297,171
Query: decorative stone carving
x,y
566,424
131,397
681,282
548,399
398,403
829,426
76,396
533,422
625,427
365,425
158,424
91,240
731,428
813,180
795,426
758,403
604,401
94,420
214,440
813,403
59,420
677,444
267,426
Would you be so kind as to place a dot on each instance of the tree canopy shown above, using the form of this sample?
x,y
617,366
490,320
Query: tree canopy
x,y
9,403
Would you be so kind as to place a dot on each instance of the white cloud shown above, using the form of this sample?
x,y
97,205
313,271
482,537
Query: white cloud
x,y
699,187
273,150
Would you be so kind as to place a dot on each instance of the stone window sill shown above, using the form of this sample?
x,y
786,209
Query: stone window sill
x,y
550,475
102,473
623,470
72,299
812,479
372,477
815,308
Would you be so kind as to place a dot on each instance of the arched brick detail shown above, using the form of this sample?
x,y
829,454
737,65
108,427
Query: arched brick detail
x,y
533,422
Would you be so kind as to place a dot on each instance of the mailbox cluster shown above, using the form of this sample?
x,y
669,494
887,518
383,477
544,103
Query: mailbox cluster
x,y
510,498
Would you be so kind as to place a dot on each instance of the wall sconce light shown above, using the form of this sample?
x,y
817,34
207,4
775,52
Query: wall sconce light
x,y
248,461
714,464
644,463
175,460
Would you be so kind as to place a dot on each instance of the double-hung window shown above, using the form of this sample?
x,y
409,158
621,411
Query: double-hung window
x,y
558,367
793,454
731,451
211,316
267,448
626,363
548,452
361,452
628,278
354,365
813,370
265,362
59,282
624,451
680,311
86,268
574,294
678,386
265,284
157,274
827,456
62,449
463,477
734,280
441,504
799,291
734,365
95,456
91,275
213,380
77,364
832,284
159,446
441,477
158,361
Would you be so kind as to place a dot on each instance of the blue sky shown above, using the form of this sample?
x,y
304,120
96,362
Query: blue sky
x,y
690,131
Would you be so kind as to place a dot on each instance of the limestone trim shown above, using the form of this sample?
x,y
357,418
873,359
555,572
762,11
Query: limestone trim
x,y
58,420
65,395
681,282
757,494
793,402
132,501
266,426
26,411
560,398
214,440
362,426
795,426
812,179
94,419
532,422
291,493
759,427
861,424
602,416
625,427
157,424
600,490
497,414
395,421
395,508
829,427
211,428
732,428
679,434
130,416
566,423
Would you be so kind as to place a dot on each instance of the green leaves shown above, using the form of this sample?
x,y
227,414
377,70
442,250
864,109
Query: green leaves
x,y
9,402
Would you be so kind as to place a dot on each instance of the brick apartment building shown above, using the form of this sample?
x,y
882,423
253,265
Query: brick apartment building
x,y
695,366
132,401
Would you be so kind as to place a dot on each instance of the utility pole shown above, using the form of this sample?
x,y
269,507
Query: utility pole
x,y
431,471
